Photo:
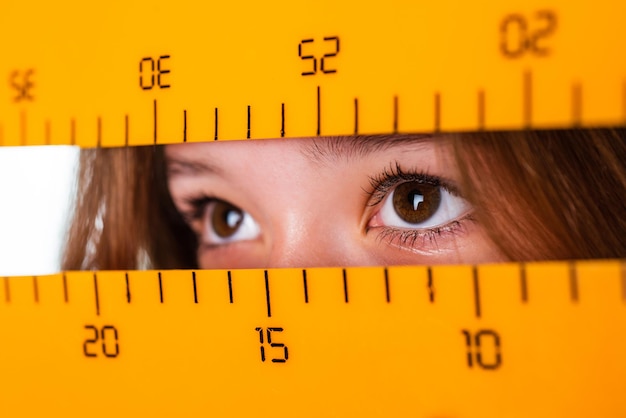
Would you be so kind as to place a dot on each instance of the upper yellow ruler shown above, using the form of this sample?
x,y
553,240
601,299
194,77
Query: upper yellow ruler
x,y
510,340
144,72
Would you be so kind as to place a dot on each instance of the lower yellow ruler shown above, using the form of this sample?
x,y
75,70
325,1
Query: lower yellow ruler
x,y
506,340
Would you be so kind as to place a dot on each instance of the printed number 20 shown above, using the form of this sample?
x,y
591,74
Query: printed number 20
x,y
333,49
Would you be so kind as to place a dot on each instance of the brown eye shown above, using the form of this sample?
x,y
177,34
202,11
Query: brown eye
x,y
225,223
416,202
225,219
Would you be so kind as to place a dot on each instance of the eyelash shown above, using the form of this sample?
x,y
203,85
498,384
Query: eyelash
x,y
197,204
392,176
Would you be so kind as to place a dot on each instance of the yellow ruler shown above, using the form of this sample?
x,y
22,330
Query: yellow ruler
x,y
506,340
149,72
510,340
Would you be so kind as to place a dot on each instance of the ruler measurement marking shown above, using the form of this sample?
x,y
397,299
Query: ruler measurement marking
x,y
476,291
387,293
216,116
7,290
577,105
319,112
267,294
481,110
160,287
154,117
23,127
624,100
99,131
431,288
126,129
437,112
48,134
195,289
623,280
395,114
230,287
356,116
527,87
345,285
573,283
523,283
95,288
184,125
306,286
72,131
35,289
65,291
282,120
248,131
127,280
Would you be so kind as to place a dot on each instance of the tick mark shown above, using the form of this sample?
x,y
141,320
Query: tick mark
x,y
523,283
65,291
7,290
573,283
73,132
577,105
282,120
230,287
48,133
23,127
319,112
128,297
267,294
387,294
248,134
95,288
395,114
476,291
431,288
527,91
35,289
195,289
154,115
345,286
99,131
623,281
216,118
481,110
437,112
160,288
126,129
184,125
306,286
356,116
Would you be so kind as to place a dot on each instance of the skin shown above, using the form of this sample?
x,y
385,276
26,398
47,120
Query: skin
x,y
308,202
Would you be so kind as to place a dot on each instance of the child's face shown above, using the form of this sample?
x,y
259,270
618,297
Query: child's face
x,y
325,202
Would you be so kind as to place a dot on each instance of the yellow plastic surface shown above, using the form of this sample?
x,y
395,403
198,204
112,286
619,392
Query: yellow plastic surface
x,y
122,72
540,340
545,340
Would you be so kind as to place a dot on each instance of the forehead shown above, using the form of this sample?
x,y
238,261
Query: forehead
x,y
322,150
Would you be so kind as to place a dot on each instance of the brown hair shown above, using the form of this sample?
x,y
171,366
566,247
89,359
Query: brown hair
x,y
539,194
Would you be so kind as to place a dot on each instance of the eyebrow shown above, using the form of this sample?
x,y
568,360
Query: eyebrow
x,y
184,166
327,150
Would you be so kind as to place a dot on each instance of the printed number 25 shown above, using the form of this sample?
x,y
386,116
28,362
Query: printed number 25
x,y
333,48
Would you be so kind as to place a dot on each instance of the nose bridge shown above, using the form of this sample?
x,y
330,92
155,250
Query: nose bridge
x,y
301,240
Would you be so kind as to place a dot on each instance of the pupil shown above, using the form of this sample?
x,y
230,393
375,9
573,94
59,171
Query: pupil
x,y
226,219
416,202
